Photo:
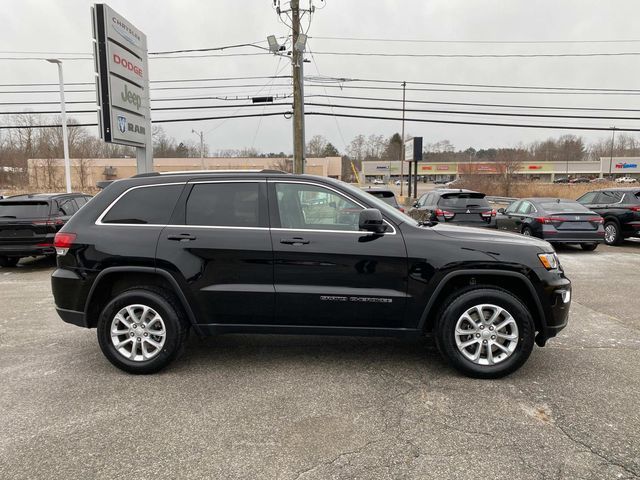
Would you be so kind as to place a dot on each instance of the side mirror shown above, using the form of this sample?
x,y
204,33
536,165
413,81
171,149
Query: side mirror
x,y
416,205
501,210
371,221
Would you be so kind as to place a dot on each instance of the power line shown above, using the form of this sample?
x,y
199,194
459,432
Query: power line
x,y
451,90
177,80
460,122
480,85
497,105
480,55
168,120
458,112
488,42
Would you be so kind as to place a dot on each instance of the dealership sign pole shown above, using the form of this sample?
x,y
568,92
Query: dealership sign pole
x,y
122,76
413,153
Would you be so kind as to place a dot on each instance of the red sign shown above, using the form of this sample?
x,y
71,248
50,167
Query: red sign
x,y
443,167
534,167
426,167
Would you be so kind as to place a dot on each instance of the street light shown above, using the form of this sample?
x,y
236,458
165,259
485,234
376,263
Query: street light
x,y
65,137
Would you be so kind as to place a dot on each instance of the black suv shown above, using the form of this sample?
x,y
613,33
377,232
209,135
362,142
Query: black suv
x,y
155,255
464,207
28,223
620,208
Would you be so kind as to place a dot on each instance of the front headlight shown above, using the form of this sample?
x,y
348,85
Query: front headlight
x,y
549,260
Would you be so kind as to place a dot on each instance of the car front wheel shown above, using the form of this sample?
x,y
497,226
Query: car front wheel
x,y
142,330
589,247
485,332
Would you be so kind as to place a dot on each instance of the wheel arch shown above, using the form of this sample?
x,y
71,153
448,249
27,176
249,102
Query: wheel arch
x,y
516,283
113,280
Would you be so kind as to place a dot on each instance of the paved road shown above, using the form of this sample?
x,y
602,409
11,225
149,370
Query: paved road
x,y
320,407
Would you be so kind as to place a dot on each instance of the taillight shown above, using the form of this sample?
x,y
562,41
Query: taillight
x,y
401,209
634,209
545,220
488,214
445,214
63,241
595,219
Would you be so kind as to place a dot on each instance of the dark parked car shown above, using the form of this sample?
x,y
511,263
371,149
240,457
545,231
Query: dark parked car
x,y
562,180
261,252
386,195
464,207
580,180
620,208
553,219
28,223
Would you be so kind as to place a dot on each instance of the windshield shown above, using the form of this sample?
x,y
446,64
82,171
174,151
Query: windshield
x,y
386,209
463,200
563,207
24,209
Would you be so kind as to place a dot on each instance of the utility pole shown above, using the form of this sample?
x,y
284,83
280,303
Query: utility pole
x,y
297,63
404,86
613,139
201,135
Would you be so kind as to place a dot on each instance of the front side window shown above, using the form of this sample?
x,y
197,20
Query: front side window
x,y
231,204
146,205
513,207
524,208
303,206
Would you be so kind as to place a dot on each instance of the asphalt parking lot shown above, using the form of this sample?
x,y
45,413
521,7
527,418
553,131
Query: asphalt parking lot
x,y
323,407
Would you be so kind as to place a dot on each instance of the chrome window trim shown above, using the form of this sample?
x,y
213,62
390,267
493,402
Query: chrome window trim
x,y
111,205
315,184
217,227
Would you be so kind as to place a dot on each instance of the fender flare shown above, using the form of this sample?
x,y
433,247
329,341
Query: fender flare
x,y
154,271
480,272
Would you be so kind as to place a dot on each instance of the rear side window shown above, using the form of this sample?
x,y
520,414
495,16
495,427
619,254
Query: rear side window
x,y
609,197
67,206
145,205
24,209
462,200
225,205
632,197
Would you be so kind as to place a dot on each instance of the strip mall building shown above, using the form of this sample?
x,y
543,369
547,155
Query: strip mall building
x,y
543,171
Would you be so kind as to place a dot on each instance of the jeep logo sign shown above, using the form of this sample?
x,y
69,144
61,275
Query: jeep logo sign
x,y
128,96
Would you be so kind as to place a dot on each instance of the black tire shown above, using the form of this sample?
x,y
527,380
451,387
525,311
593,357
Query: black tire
x,y
9,261
175,324
457,304
617,238
589,247
527,231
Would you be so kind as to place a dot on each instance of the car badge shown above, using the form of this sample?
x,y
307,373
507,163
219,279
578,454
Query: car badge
x,y
122,123
468,211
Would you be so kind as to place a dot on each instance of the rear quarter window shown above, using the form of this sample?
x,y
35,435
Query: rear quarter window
x,y
145,206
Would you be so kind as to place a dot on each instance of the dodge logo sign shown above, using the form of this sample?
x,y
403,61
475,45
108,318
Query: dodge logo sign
x,y
122,123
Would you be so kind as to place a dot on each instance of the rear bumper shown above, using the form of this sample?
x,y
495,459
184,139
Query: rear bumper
x,y
573,236
73,317
26,250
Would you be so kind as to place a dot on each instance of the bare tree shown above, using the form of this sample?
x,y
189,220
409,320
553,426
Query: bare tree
x,y
316,146
83,167
284,164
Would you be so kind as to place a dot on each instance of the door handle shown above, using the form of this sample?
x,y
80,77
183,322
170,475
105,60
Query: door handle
x,y
294,241
186,237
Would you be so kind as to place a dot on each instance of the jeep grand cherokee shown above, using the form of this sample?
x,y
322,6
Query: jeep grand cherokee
x,y
157,255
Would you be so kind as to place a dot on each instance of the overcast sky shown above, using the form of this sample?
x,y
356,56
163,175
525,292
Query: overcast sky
x,y
65,26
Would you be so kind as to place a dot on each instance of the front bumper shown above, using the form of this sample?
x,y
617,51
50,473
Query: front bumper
x,y
556,298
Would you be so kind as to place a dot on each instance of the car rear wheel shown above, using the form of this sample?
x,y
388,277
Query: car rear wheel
x,y
612,233
589,247
9,261
142,330
527,232
485,332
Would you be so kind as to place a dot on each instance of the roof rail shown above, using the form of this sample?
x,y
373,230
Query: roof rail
x,y
197,172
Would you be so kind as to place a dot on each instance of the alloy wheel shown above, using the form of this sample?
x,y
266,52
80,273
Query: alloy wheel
x,y
486,334
138,332
610,233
